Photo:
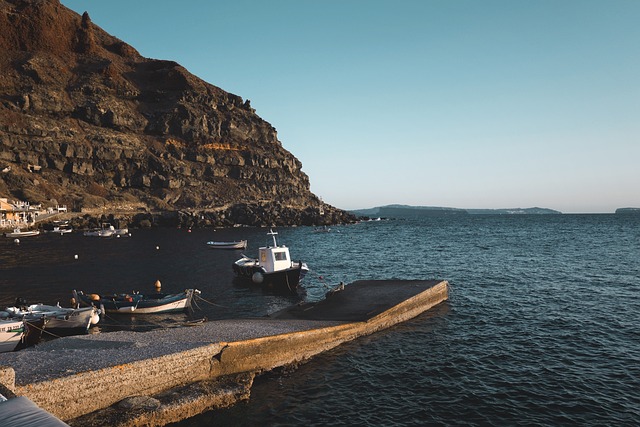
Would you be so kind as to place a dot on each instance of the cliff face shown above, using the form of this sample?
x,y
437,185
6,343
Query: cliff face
x,y
102,127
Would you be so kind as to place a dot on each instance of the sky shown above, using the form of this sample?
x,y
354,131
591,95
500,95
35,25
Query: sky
x,y
452,103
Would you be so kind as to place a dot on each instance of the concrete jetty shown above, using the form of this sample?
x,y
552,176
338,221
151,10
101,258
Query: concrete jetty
x,y
154,378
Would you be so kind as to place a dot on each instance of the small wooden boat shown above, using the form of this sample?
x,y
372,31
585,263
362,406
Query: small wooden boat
x,y
242,244
11,331
138,303
56,317
273,269
19,233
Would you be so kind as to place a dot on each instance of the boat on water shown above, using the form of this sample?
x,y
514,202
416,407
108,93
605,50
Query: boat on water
x,y
11,331
105,230
58,318
242,244
58,227
138,303
273,269
121,232
17,232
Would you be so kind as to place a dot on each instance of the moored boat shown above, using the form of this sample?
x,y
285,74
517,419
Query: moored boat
x,y
17,232
59,227
242,244
273,269
135,302
11,332
105,230
56,317
121,232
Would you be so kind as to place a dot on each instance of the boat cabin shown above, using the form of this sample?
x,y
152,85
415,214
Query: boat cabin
x,y
274,258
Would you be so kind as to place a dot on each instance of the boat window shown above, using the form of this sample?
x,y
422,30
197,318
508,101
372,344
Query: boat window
x,y
280,256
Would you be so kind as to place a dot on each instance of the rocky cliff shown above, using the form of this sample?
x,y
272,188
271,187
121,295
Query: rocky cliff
x,y
86,121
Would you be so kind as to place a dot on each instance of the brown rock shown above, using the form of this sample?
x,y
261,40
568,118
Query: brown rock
x,y
92,112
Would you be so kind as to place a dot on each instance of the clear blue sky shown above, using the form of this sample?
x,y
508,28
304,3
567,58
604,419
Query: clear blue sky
x,y
457,103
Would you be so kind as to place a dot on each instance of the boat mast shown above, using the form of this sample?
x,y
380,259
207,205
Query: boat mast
x,y
273,234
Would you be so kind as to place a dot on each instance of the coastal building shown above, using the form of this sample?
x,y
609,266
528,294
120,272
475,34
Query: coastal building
x,y
17,213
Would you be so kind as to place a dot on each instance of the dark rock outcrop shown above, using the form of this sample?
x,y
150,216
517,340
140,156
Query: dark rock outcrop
x,y
110,130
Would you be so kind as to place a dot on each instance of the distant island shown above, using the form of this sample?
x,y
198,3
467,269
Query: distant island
x,y
628,211
413,211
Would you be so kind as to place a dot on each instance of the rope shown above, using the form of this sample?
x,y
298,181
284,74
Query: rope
x,y
125,325
208,302
195,322
193,303
321,278
42,330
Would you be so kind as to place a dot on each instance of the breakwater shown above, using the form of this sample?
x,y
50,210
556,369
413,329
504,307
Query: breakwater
x,y
80,379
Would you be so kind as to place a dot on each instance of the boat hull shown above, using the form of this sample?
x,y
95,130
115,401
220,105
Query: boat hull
x,y
58,230
56,318
114,307
79,319
22,233
140,304
11,332
228,245
99,233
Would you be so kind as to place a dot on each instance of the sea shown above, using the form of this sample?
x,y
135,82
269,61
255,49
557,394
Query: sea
x,y
542,325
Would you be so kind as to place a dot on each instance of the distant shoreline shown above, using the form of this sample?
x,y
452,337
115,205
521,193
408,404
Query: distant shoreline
x,y
413,211
405,210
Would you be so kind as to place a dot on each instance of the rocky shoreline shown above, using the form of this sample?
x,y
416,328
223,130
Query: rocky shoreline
x,y
251,215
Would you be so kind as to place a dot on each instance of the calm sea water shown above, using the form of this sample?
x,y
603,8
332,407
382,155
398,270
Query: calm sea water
x,y
542,326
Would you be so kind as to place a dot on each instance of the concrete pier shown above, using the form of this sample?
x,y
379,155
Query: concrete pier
x,y
158,377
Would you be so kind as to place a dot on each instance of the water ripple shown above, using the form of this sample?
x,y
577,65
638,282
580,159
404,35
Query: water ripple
x,y
541,328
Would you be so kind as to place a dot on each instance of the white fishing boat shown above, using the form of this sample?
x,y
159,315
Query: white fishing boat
x,y
273,269
242,244
56,317
17,232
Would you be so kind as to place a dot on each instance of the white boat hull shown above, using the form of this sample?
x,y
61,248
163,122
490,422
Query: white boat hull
x,y
10,334
174,306
57,317
228,245
19,233
137,303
